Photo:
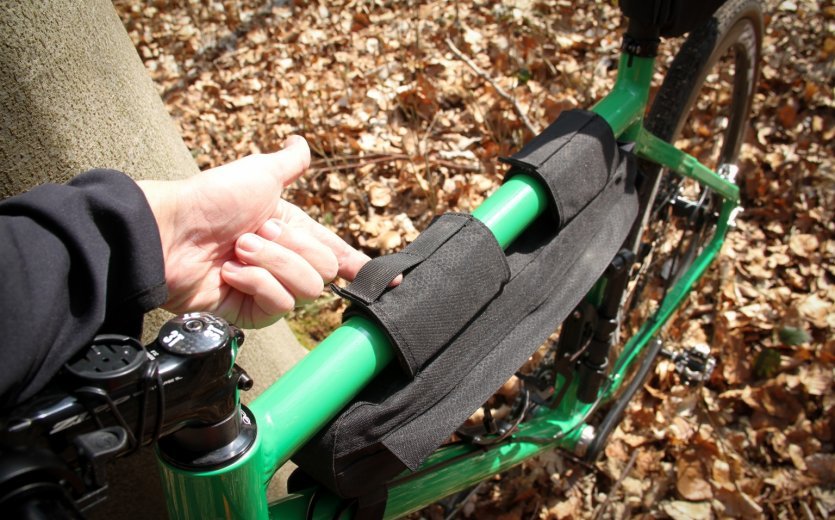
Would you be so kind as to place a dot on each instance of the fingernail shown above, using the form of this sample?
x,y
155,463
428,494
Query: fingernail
x,y
292,140
232,267
251,243
271,229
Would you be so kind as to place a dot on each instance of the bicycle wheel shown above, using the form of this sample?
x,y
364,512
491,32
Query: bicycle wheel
x,y
702,106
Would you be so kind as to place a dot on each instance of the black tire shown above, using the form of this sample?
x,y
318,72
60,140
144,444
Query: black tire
x,y
679,216
736,26
736,30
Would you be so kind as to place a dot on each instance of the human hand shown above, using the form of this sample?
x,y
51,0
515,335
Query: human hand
x,y
232,246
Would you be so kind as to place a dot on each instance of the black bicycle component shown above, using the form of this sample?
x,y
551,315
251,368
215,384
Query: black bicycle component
x,y
112,361
592,375
645,46
195,334
577,331
615,413
199,382
540,384
204,448
34,485
117,395
602,321
491,431
694,365
617,278
667,17
98,447
575,336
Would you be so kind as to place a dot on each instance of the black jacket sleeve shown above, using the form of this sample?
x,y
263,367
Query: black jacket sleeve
x,y
75,260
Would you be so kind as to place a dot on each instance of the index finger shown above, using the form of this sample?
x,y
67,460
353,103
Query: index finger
x,y
349,259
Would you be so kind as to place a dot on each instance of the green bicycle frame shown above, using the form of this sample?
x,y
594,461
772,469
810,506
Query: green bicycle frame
x,y
304,400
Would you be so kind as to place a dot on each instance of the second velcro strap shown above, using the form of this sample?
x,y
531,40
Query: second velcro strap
x,y
451,271
575,157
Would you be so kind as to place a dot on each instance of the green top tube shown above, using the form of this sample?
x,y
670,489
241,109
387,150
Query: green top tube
x,y
308,396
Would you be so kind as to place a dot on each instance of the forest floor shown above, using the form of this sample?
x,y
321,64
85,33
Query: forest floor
x,y
403,128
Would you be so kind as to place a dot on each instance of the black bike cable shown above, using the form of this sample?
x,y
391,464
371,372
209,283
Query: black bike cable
x,y
114,409
311,504
509,429
160,402
614,414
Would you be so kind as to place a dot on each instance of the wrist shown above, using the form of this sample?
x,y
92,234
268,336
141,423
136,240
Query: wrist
x,y
164,206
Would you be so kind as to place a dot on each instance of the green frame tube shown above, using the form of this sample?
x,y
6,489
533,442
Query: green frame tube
x,y
454,468
317,388
623,108
235,491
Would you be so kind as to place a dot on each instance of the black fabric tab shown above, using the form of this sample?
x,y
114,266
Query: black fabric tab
x,y
375,276
460,267
574,157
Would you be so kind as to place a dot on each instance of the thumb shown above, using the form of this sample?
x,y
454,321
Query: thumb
x,y
290,162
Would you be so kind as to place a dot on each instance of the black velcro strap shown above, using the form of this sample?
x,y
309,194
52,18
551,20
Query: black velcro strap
x,y
373,278
453,269
574,158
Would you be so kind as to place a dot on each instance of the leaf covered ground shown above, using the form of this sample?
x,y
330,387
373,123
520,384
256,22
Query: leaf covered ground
x,y
408,105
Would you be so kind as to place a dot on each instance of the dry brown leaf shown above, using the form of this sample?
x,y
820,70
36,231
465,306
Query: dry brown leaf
x,y
817,379
787,115
691,480
736,361
634,441
721,475
817,310
570,508
681,510
779,402
617,451
736,504
804,245
389,240
648,462
822,467
379,195
681,430
359,21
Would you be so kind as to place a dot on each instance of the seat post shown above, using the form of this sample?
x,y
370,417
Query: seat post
x,y
641,39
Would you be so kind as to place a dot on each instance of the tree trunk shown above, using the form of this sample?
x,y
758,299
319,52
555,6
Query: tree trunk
x,y
75,95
